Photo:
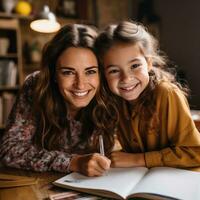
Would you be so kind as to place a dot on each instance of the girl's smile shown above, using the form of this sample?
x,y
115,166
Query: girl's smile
x,y
126,70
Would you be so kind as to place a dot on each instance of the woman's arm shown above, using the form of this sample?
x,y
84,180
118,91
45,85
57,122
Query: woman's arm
x,y
17,149
90,164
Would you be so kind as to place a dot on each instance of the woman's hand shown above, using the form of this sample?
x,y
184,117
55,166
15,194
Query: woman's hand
x,y
90,164
123,159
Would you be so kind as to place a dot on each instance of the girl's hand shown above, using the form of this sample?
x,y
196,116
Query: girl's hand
x,y
90,164
122,159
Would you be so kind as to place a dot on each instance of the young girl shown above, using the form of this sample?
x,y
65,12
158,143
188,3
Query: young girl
x,y
55,121
155,126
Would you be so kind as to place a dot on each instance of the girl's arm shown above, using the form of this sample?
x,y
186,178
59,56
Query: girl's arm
x,y
183,148
17,149
123,159
177,142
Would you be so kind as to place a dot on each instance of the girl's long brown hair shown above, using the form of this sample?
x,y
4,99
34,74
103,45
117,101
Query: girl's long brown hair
x,y
49,105
128,32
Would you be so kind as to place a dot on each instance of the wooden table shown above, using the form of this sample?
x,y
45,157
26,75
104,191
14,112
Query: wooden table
x,y
197,123
39,191
196,118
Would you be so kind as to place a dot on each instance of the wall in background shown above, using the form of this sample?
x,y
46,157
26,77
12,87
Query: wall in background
x,y
103,12
180,38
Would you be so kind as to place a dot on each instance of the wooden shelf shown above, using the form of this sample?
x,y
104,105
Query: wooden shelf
x,y
9,55
9,88
2,126
10,29
12,24
16,16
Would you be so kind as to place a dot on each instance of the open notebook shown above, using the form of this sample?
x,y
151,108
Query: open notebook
x,y
124,183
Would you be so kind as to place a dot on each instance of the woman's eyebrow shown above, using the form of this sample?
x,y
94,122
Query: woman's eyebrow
x,y
65,67
92,67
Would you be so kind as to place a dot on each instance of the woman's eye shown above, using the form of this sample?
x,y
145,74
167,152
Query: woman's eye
x,y
67,72
92,71
135,65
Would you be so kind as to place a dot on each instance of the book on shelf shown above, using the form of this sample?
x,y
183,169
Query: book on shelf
x,y
8,73
6,103
128,183
1,110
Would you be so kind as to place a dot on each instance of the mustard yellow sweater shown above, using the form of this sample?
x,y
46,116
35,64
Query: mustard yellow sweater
x,y
175,142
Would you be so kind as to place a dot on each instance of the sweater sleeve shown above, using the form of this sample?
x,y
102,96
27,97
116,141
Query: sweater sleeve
x,y
177,125
17,149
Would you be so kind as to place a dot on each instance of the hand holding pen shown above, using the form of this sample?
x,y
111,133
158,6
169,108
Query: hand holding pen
x,y
95,164
101,145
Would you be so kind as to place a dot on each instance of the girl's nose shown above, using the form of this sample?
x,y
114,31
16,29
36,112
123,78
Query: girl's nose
x,y
126,77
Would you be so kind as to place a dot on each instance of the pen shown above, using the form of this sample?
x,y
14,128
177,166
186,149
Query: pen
x,y
101,145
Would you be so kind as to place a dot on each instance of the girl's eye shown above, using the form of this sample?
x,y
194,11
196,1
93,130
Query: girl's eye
x,y
135,65
91,71
113,71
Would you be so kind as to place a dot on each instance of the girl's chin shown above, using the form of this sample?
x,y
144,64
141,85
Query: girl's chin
x,y
131,97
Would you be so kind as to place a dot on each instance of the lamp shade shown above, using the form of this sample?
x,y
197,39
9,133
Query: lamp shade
x,y
45,22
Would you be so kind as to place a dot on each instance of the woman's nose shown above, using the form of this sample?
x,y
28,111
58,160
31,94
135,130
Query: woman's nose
x,y
80,81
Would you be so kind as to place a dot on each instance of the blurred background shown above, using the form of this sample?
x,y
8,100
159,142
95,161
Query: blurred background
x,y
174,23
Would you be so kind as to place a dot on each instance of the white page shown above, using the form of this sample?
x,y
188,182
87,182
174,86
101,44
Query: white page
x,y
177,183
117,180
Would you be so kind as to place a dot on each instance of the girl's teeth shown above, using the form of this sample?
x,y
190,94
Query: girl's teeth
x,y
128,88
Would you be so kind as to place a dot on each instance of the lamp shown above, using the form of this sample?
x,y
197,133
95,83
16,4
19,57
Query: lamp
x,y
45,22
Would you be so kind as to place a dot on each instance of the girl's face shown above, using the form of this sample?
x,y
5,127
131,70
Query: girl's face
x,y
126,70
77,77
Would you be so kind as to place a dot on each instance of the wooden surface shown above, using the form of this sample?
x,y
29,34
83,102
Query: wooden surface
x,y
197,123
39,191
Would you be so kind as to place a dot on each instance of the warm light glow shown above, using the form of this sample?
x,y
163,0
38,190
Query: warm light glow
x,y
45,26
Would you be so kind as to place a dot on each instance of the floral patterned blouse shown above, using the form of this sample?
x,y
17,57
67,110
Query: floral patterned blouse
x,y
17,149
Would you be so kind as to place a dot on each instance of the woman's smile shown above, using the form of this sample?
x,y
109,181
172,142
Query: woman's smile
x,y
80,93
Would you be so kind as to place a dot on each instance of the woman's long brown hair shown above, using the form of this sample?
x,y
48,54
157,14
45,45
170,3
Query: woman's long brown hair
x,y
49,105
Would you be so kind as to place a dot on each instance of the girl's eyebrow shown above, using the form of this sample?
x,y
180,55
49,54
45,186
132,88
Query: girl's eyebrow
x,y
108,66
133,60
130,61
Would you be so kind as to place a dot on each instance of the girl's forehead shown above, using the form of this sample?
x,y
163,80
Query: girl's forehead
x,y
125,49
123,54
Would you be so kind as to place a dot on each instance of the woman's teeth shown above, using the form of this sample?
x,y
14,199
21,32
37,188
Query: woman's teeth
x,y
80,94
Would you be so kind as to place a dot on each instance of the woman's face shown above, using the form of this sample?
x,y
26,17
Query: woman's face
x,y
126,70
77,77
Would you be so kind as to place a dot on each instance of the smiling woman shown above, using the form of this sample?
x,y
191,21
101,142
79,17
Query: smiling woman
x,y
77,79
53,124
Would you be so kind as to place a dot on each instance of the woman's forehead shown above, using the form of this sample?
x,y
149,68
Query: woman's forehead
x,y
76,57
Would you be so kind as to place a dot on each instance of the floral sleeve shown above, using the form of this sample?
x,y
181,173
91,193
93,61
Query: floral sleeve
x,y
17,149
